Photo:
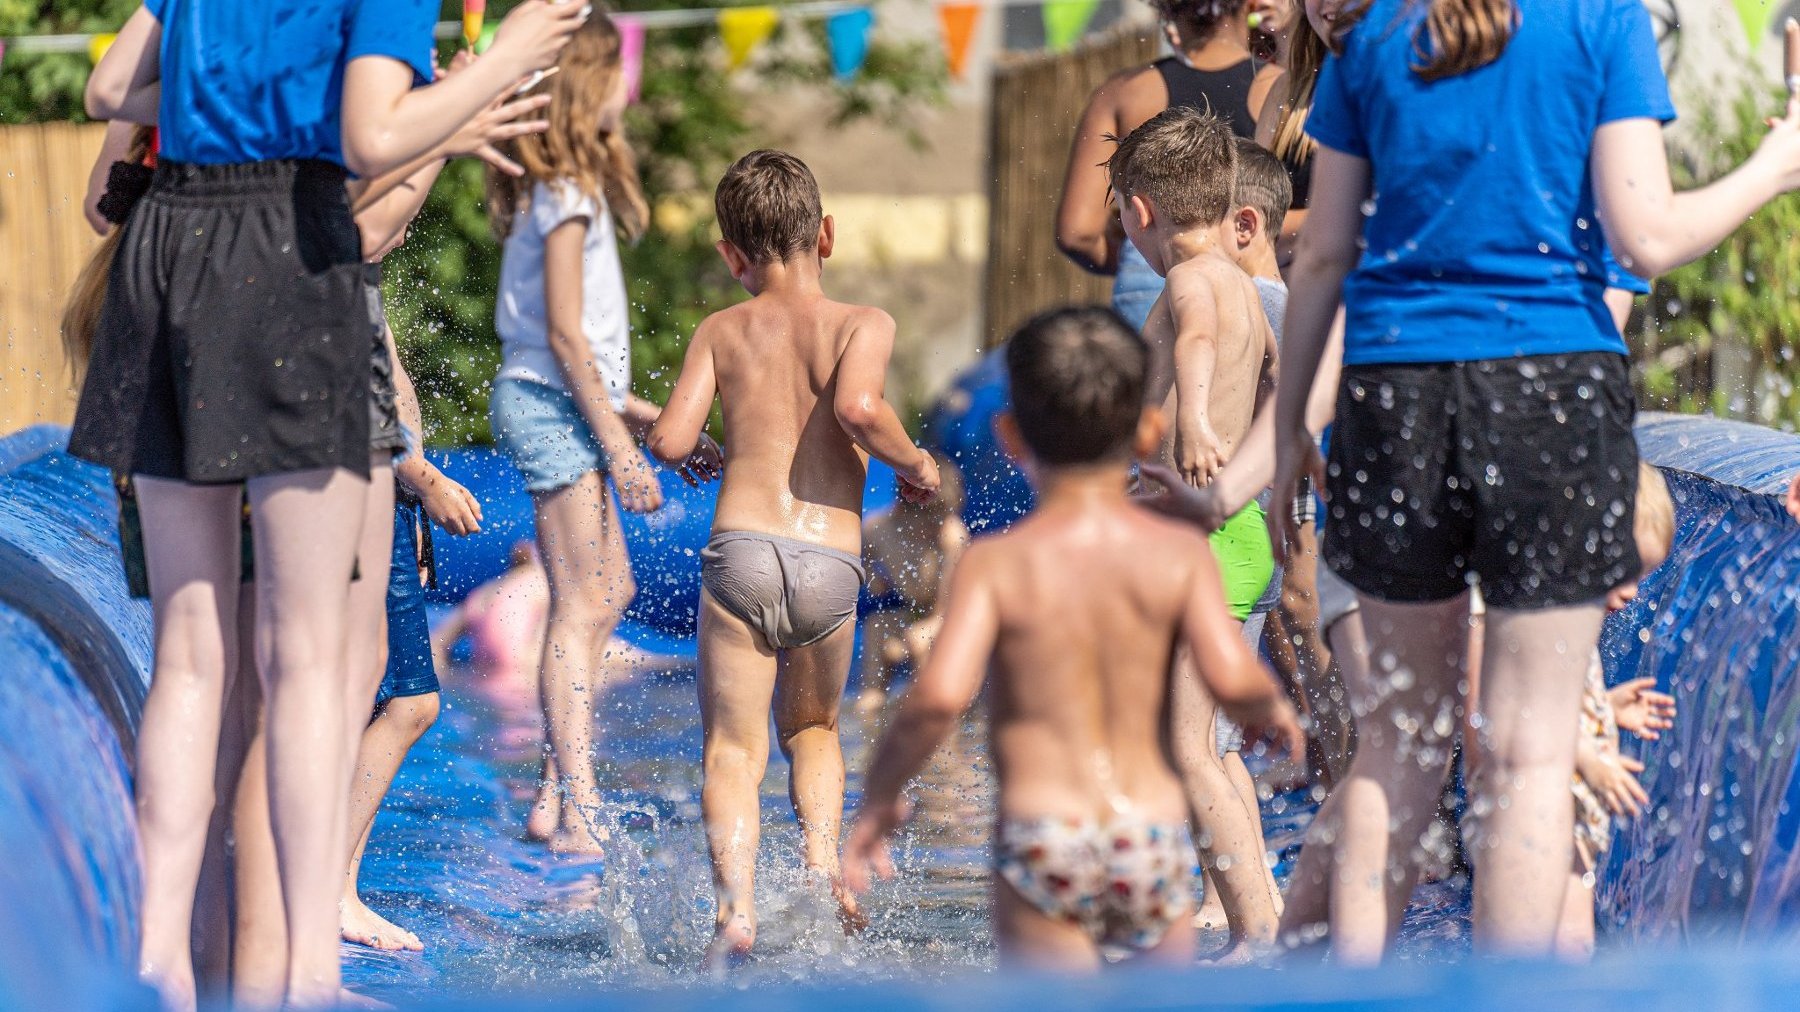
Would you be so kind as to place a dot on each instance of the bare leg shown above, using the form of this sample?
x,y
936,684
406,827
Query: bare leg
x,y
546,808
191,547
1245,787
259,932
367,644
737,687
308,526
590,587
1377,818
877,670
1229,844
1175,950
1575,926
1322,697
809,686
1028,940
213,917
393,733
1531,682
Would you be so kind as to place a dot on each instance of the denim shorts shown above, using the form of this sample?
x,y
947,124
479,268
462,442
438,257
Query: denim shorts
x,y
1136,287
409,669
539,427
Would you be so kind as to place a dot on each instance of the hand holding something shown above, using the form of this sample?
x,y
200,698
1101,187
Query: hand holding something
x,y
1197,506
706,463
1640,709
640,491
920,483
866,854
533,35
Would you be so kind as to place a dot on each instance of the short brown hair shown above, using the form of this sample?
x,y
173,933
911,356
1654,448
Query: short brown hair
x,y
1654,516
1183,161
1076,379
1262,183
768,206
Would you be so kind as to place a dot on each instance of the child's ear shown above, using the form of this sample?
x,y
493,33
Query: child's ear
x,y
735,260
1152,426
1146,216
1012,443
1247,224
827,237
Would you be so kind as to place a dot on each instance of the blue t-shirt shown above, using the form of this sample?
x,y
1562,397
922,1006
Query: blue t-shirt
x,y
1482,242
257,80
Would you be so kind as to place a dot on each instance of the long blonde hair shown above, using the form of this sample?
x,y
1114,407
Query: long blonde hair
x,y
81,314
1306,54
600,163
1458,35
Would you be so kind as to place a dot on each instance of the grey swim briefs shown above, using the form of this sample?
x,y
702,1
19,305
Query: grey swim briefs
x,y
792,592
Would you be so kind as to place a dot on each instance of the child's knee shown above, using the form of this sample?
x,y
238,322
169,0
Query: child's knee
x,y
416,713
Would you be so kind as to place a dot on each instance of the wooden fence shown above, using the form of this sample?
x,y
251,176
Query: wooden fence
x,y
44,240
1037,101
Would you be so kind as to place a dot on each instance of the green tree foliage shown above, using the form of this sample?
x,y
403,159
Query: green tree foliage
x,y
1745,294
43,87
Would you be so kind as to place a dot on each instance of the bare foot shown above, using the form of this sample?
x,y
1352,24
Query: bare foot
x,y
850,913
358,924
579,841
730,947
175,989
541,824
1210,916
1237,953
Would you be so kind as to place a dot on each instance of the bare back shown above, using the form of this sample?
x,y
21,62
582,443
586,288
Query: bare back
x,y
1211,297
790,469
1085,636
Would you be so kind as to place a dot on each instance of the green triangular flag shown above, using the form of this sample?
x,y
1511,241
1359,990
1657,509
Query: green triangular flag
x,y
1066,20
1756,15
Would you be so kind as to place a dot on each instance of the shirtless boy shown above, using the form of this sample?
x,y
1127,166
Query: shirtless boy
x,y
1211,348
1092,846
799,378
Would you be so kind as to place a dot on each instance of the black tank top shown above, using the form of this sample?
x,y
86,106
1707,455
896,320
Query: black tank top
x,y
1224,93
1300,175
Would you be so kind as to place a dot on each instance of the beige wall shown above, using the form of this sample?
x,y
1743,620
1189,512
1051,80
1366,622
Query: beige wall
x,y
43,243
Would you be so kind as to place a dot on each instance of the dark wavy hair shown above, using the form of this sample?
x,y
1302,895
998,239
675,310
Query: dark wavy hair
x,y
1201,14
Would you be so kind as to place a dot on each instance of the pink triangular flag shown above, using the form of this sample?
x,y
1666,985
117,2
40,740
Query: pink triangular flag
x,y
631,54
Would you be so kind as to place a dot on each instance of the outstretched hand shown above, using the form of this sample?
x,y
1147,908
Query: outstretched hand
x,y
866,853
706,463
1273,719
1640,709
1176,499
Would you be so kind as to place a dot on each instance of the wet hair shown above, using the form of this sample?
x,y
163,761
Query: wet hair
x,y
1262,183
1456,37
600,163
1655,511
768,206
1077,379
81,313
1183,161
1201,17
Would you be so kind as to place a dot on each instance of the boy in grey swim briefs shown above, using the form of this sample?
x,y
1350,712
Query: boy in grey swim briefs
x,y
1078,639
799,379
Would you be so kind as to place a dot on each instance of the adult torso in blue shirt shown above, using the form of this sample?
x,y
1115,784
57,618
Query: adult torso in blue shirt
x,y
1482,241
257,80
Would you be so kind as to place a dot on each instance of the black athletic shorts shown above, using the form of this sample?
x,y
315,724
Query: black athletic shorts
x,y
1518,473
234,340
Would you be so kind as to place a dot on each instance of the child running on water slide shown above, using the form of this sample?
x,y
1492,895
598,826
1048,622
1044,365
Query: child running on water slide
x,y
1481,345
562,407
800,380
193,390
1079,639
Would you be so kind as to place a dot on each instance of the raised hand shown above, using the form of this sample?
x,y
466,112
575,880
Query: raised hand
x,y
1197,506
1640,709
866,853
533,35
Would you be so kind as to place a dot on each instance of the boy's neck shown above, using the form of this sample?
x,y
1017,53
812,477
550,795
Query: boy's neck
x,y
1259,261
797,275
1178,246
1096,484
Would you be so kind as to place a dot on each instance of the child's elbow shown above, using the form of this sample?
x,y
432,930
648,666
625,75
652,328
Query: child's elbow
x,y
104,98
857,414
666,448
364,153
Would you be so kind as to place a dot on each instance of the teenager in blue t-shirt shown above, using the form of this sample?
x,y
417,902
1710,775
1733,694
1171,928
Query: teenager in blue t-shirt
x,y
1466,188
232,359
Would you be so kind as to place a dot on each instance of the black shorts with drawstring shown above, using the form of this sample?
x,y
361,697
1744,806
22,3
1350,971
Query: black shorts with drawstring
x,y
1519,474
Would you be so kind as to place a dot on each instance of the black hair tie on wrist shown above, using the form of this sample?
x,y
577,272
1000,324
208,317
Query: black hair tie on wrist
x,y
126,184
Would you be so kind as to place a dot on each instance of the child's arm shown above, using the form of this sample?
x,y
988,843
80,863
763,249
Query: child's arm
x,y
1651,228
862,408
127,82
1639,708
1087,230
388,123
112,149
1195,310
1245,692
1612,777
677,435
633,477
937,698
446,501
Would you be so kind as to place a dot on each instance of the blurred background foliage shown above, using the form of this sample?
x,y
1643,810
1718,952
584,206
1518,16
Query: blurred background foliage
x,y
692,120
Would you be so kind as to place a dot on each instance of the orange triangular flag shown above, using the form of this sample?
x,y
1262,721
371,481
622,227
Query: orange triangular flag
x,y
958,24
745,28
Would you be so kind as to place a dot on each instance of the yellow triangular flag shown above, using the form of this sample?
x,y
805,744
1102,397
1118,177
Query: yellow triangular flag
x,y
745,28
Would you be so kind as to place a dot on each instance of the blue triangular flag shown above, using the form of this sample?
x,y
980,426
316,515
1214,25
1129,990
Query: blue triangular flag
x,y
848,34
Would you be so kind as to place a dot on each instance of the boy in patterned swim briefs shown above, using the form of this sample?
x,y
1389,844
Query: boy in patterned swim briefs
x,y
1092,848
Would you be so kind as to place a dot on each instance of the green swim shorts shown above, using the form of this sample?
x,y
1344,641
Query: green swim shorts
x,y
1246,562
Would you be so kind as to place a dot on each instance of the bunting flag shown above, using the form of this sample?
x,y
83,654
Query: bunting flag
x,y
848,34
958,24
745,28
98,45
631,54
1756,16
1065,21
